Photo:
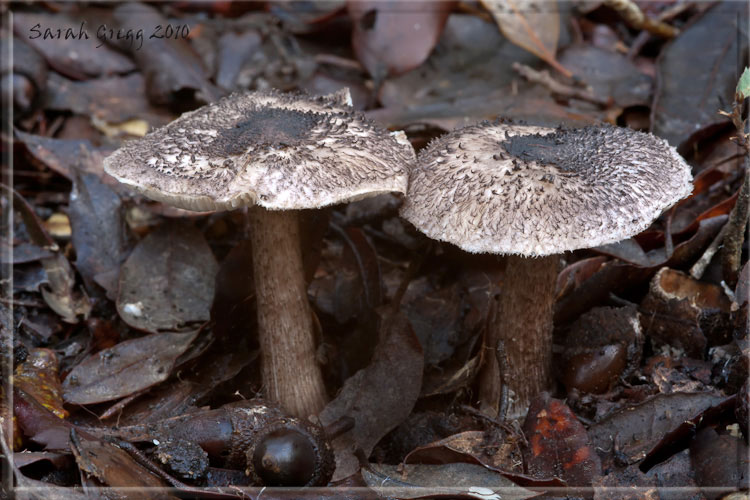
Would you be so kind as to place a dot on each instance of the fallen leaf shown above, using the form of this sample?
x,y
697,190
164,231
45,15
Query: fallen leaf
x,y
531,24
168,280
558,444
38,377
112,99
113,466
636,428
168,65
100,234
697,73
458,481
78,57
128,367
391,37
378,397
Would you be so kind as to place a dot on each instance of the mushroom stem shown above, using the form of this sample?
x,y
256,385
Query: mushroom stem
x,y
291,375
523,321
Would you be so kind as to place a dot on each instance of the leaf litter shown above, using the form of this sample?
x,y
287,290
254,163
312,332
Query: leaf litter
x,y
135,312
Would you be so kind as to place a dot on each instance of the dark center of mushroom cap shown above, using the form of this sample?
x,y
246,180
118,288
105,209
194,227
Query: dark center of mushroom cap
x,y
268,127
568,150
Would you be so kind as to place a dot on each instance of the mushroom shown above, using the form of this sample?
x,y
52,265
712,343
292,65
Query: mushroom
x,y
533,193
276,153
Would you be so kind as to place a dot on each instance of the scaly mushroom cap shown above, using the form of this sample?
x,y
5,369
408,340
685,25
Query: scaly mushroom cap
x,y
504,188
280,151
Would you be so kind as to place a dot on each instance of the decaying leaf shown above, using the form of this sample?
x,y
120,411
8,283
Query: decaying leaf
x,y
168,281
636,428
126,368
38,377
531,24
686,313
378,397
558,444
113,466
458,480
99,233
697,73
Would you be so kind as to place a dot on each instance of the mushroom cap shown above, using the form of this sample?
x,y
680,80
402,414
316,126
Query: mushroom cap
x,y
513,189
280,151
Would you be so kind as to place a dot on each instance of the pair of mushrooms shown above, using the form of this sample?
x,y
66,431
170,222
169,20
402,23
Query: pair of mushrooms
x,y
498,188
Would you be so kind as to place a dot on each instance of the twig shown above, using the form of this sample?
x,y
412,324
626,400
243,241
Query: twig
x,y
735,234
508,428
561,89
502,363
696,272
731,254
634,16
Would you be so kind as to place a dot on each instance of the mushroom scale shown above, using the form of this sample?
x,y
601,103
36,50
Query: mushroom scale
x,y
504,188
279,151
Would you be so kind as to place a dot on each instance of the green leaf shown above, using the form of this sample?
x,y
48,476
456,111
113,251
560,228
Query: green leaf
x,y
743,86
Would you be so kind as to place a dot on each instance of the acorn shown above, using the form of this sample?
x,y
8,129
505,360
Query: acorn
x,y
272,448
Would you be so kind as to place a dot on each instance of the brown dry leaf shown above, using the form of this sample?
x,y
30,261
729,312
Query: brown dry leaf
x,y
125,369
531,24
168,281
685,313
113,466
459,481
65,156
61,294
100,235
637,428
378,397
471,447
698,71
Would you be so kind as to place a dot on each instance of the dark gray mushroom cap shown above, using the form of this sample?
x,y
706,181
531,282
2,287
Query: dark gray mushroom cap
x,y
512,189
280,151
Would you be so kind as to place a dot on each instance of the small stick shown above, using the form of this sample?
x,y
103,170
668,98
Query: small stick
x,y
144,461
735,235
696,272
502,363
634,16
544,78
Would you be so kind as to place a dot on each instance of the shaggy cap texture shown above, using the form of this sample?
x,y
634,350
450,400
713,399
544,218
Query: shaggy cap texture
x,y
511,189
280,151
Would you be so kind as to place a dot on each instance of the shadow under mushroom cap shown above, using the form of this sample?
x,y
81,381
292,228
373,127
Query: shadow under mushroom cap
x,y
511,189
280,151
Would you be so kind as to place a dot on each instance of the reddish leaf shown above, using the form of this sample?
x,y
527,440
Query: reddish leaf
x,y
616,276
391,37
558,444
39,424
